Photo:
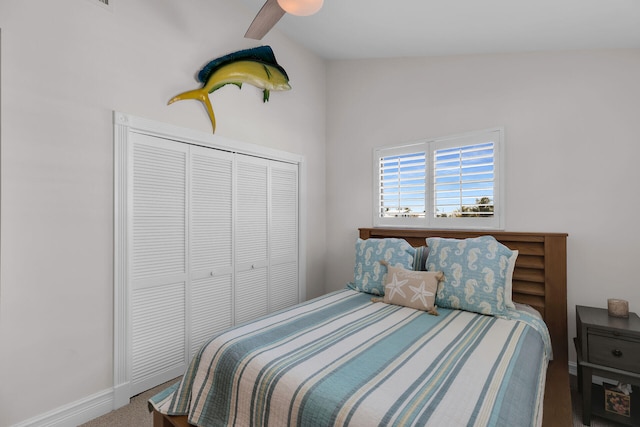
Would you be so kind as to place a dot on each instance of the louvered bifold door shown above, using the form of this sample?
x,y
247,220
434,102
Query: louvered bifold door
x,y
211,242
157,272
251,238
284,280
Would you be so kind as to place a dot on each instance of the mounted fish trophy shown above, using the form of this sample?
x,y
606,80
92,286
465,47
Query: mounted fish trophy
x,y
257,67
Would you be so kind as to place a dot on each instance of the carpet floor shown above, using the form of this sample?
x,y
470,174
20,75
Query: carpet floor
x,y
136,413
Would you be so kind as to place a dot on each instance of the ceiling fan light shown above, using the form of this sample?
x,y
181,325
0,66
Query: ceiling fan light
x,y
301,7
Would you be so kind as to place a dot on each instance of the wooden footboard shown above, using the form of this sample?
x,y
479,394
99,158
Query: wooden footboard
x,y
160,420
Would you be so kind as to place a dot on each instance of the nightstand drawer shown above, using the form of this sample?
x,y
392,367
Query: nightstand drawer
x,y
618,352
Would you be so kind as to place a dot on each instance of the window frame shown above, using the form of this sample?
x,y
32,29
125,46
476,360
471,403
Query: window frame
x,y
430,146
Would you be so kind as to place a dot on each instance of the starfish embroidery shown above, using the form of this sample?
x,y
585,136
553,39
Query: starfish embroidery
x,y
421,294
395,287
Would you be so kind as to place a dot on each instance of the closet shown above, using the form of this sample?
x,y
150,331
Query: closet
x,y
206,237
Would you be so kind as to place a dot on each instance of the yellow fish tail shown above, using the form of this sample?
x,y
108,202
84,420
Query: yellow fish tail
x,y
201,95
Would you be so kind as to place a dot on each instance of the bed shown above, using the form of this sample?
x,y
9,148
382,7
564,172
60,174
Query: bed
x,y
349,359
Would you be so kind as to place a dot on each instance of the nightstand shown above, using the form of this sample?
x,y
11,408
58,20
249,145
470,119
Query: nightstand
x,y
608,347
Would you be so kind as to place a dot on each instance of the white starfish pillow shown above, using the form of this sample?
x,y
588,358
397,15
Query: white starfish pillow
x,y
409,288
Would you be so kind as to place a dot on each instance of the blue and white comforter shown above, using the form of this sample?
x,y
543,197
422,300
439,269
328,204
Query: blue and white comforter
x,y
342,360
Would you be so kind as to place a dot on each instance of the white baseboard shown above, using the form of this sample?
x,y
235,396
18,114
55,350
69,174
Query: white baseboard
x,y
75,413
121,395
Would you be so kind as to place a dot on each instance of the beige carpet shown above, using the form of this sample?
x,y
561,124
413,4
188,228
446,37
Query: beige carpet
x,y
136,413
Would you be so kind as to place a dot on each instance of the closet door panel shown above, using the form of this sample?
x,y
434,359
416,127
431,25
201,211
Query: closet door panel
x,y
284,278
251,238
251,294
158,196
284,211
211,244
211,212
158,335
251,211
211,308
158,259
284,286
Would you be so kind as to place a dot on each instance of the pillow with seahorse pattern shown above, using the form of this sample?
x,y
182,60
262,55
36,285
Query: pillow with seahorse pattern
x,y
368,273
477,272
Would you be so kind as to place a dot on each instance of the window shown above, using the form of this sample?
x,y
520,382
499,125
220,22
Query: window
x,y
449,182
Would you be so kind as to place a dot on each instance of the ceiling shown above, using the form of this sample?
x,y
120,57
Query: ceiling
x,y
354,29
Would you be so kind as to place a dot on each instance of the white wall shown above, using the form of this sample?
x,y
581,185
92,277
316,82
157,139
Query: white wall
x,y
66,65
572,132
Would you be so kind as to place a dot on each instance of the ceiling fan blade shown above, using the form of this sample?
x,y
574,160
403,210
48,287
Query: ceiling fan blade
x,y
268,16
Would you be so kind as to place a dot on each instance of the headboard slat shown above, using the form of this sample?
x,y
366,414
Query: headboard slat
x,y
529,275
531,261
528,288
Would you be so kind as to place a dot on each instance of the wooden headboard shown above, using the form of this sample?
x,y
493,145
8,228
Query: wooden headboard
x,y
539,278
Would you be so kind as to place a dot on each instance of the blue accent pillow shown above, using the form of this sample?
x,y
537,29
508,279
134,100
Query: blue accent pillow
x,y
368,273
476,272
420,258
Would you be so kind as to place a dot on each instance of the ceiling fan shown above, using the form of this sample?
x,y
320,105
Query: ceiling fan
x,y
273,10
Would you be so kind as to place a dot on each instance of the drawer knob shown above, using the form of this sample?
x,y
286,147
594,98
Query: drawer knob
x,y
616,353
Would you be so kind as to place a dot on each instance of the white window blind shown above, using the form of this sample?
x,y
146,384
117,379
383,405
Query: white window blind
x,y
449,182
402,185
463,181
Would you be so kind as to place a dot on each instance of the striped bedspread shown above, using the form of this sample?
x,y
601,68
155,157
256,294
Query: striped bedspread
x,y
342,360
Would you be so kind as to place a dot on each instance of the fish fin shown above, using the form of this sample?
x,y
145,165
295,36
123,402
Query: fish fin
x,y
267,71
265,95
216,87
